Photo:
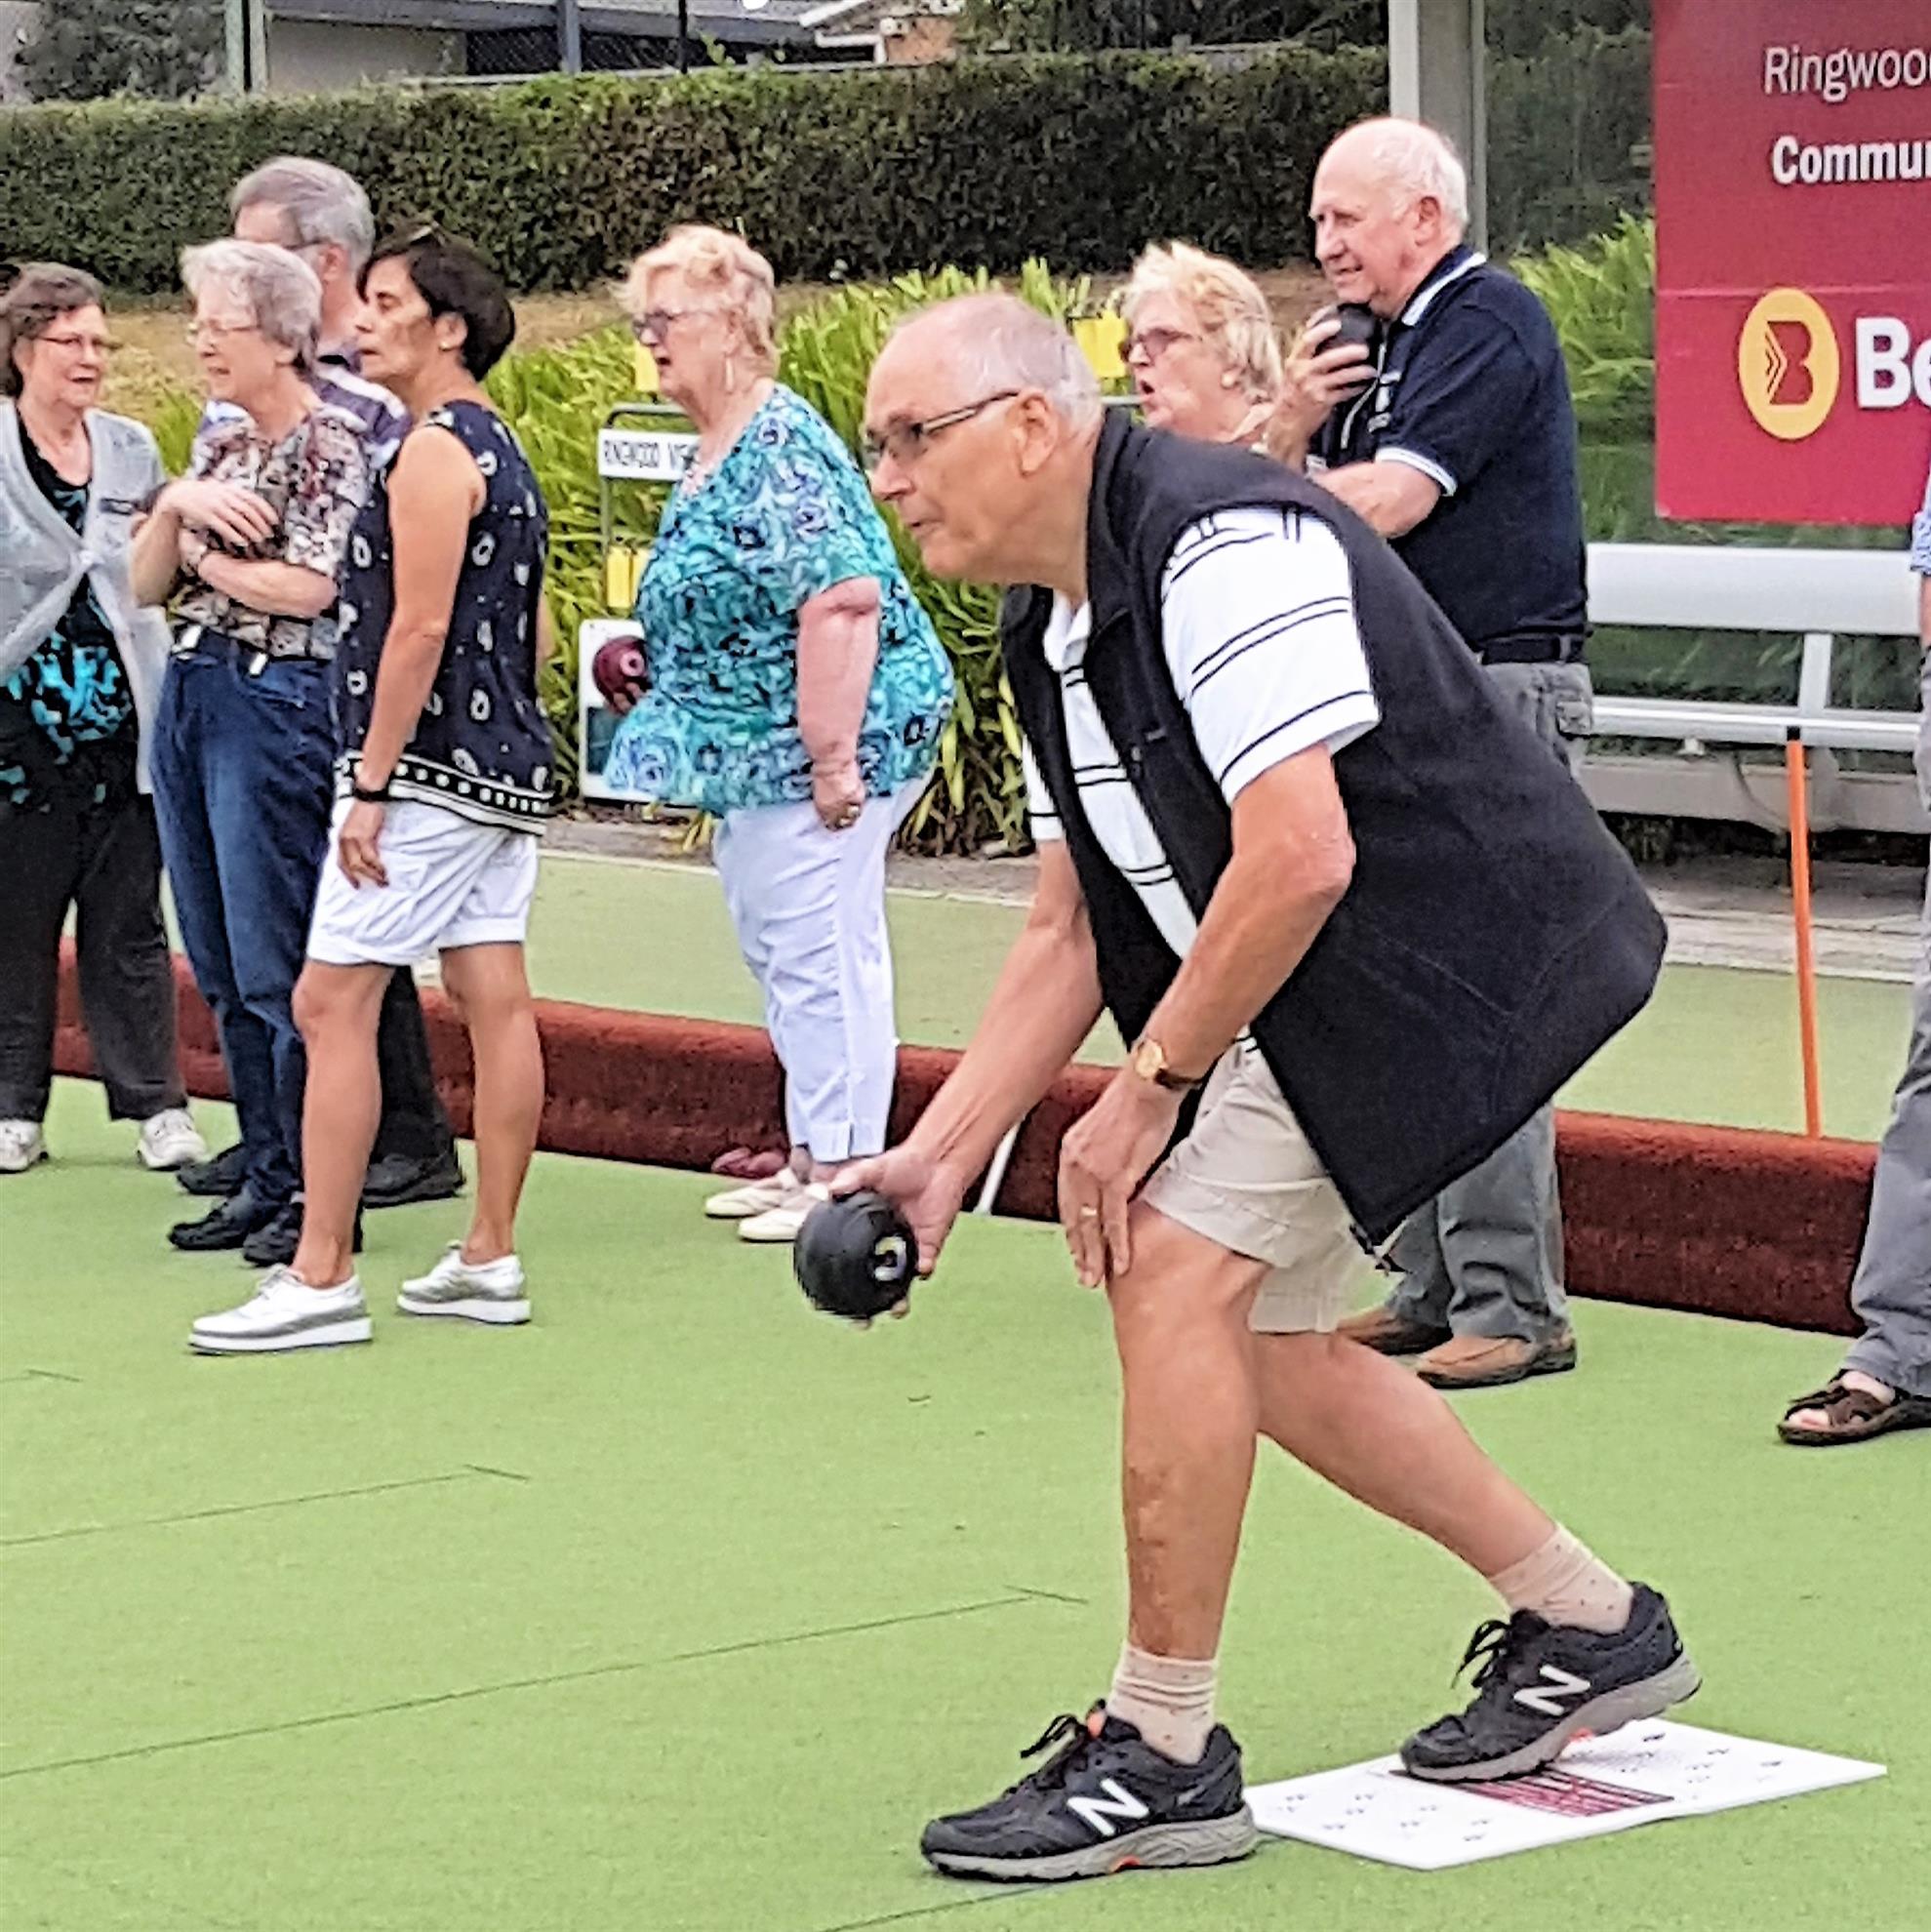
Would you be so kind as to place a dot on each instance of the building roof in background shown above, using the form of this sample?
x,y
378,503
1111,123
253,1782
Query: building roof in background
x,y
719,20
869,15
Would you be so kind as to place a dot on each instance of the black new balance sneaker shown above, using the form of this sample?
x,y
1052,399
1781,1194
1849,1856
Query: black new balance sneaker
x,y
1541,1685
1104,1801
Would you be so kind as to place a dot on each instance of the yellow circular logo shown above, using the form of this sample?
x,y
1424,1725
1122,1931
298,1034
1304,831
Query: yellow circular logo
x,y
1788,364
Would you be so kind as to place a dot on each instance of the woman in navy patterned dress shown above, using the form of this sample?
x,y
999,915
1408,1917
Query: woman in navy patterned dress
x,y
442,792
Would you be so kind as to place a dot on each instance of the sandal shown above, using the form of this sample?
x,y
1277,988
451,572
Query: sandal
x,y
742,1164
1853,1415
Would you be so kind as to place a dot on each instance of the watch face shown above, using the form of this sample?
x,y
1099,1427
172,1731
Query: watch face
x,y
1150,1060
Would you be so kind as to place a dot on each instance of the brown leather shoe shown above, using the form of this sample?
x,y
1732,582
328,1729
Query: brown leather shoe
x,y
1389,1334
1488,1361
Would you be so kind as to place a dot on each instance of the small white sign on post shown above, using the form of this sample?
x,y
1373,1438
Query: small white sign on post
x,y
1639,1774
644,455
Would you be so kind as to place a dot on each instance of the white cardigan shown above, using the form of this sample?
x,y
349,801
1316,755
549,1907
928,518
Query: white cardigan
x,y
45,558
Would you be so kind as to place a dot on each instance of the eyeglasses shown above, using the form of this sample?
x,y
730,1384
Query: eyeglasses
x,y
94,345
654,324
219,330
1148,345
906,442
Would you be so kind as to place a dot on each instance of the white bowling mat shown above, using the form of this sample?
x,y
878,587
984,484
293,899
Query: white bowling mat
x,y
1640,1773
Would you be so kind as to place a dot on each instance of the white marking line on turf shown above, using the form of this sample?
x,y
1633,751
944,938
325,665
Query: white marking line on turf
x,y
1639,1774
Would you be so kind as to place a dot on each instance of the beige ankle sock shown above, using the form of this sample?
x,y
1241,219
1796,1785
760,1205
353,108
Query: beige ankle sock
x,y
1168,1700
1565,1583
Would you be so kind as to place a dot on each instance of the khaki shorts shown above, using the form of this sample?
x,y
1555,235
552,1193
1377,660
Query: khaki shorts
x,y
1246,1179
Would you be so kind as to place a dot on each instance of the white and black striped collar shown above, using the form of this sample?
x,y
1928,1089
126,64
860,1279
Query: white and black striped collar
x,y
1460,261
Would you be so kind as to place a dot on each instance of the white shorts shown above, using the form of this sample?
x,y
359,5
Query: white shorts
x,y
452,883
1246,1180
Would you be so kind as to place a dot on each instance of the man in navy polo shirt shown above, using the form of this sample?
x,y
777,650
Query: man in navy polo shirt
x,y
1451,432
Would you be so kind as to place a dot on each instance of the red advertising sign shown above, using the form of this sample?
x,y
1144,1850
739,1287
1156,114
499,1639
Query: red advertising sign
x,y
1794,258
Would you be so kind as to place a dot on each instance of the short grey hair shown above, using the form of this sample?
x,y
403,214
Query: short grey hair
x,y
1413,160
278,290
321,203
1002,343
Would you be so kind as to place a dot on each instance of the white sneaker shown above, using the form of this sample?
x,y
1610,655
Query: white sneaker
x,y
477,1291
780,1224
757,1197
21,1143
168,1140
285,1312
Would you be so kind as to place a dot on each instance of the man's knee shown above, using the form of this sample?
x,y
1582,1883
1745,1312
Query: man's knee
x,y
1178,1280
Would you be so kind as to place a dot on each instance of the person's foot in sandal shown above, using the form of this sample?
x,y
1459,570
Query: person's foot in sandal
x,y
1852,1408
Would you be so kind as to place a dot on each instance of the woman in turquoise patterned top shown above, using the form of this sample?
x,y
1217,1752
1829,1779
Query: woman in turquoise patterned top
x,y
794,688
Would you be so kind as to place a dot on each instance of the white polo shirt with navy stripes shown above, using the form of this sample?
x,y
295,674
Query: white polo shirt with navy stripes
x,y
1256,614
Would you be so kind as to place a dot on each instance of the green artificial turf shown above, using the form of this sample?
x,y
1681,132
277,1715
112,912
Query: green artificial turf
x,y
1713,1044
681,1609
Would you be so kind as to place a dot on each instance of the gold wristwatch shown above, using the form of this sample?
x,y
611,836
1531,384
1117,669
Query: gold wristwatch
x,y
1148,1062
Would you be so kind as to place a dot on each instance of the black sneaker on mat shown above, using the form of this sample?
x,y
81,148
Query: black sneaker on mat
x,y
1539,1686
1104,1801
217,1176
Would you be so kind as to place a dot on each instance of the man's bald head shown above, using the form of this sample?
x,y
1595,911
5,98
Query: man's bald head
x,y
982,414
998,342
1407,160
1390,199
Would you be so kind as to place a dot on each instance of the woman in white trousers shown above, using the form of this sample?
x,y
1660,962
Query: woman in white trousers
x,y
795,689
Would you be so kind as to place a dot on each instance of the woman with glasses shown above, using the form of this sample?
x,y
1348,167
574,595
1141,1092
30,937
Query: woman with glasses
x,y
795,690
80,667
248,547
1201,346
442,789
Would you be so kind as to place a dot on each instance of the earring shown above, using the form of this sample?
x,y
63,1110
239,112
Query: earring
x,y
1227,379
730,376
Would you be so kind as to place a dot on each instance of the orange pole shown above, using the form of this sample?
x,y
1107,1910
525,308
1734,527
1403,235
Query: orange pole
x,y
1794,769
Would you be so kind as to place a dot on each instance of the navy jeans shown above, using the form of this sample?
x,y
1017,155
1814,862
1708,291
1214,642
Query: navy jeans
x,y
242,758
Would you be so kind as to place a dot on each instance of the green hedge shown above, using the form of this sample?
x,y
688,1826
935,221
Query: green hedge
x,y
1076,160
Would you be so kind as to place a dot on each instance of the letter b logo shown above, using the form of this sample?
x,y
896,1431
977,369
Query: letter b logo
x,y
1788,365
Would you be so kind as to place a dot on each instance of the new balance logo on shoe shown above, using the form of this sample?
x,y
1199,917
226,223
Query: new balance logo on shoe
x,y
1556,1685
1099,1813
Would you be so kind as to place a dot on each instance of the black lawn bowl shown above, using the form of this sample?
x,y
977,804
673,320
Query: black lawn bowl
x,y
856,1257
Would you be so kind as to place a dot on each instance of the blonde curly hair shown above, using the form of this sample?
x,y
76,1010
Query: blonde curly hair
x,y
730,272
1234,318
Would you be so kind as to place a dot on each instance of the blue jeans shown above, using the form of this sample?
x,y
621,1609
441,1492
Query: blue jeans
x,y
242,758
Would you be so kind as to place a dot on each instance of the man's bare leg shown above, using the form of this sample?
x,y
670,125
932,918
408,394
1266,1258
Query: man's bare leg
x,y
1380,1432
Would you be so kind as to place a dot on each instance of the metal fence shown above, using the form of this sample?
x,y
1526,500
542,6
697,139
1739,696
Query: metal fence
x,y
309,43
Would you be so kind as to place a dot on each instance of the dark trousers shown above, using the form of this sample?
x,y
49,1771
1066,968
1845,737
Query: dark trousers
x,y
414,1125
243,756
104,862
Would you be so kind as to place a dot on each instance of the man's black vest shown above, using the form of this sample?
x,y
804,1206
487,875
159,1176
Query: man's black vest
x,y
1494,935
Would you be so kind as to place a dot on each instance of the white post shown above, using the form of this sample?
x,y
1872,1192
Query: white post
x,y
1437,71
234,45
258,46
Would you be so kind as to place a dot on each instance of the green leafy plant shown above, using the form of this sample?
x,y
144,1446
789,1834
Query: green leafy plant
x,y
1601,296
978,797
